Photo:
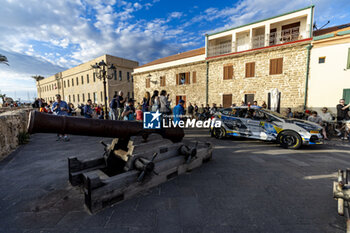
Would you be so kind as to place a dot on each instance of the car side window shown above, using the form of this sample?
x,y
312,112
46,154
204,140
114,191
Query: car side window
x,y
258,115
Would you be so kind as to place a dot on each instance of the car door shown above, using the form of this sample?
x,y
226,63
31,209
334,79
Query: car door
x,y
254,124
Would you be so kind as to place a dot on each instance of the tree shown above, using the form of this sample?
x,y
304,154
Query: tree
x,y
38,77
3,59
2,96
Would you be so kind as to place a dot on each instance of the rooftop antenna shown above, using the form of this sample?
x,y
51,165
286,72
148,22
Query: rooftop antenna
x,y
315,26
325,24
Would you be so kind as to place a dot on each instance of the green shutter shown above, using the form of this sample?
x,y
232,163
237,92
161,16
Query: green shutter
x,y
348,64
346,95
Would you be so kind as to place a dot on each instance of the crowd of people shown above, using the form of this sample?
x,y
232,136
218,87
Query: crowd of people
x,y
122,108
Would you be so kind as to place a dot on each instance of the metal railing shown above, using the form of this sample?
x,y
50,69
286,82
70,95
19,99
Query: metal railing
x,y
286,35
258,41
215,50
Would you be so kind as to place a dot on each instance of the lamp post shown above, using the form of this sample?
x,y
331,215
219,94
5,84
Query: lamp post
x,y
101,72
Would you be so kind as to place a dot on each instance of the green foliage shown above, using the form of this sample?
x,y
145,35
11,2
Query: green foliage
x,y
23,138
3,59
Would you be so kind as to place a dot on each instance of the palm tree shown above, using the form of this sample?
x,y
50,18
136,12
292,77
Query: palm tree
x,y
3,59
38,77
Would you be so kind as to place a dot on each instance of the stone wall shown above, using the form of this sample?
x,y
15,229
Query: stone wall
x,y
11,124
194,92
291,83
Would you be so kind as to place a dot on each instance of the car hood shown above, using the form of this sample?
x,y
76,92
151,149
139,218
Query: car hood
x,y
304,122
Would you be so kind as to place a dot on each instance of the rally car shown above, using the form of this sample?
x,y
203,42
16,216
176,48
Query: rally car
x,y
257,123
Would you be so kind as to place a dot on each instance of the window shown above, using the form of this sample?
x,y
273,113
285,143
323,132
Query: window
x,y
95,97
181,97
89,96
72,82
132,78
94,77
276,66
148,83
227,100
228,72
348,63
250,69
128,76
82,80
77,81
78,97
120,75
69,98
346,95
115,74
83,97
87,78
128,95
321,60
73,98
162,81
64,84
102,97
183,78
248,98
194,77
68,82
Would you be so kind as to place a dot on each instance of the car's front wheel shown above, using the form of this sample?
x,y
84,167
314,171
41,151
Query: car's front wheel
x,y
219,133
289,139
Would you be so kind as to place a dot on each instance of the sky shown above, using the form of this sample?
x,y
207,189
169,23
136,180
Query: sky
x,y
45,37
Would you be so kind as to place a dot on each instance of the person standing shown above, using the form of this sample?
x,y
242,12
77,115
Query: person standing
x,y
342,115
60,108
164,102
113,107
139,113
129,111
179,111
120,105
146,102
88,111
190,110
155,101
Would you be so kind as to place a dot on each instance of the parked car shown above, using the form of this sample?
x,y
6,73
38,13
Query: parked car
x,y
257,123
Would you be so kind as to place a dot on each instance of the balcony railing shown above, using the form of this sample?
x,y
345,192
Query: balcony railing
x,y
286,35
245,43
215,50
258,41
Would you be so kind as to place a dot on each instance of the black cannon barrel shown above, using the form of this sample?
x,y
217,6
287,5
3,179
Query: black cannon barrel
x,y
48,123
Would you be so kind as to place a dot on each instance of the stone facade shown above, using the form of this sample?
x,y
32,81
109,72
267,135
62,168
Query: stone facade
x,y
194,92
85,86
291,83
12,123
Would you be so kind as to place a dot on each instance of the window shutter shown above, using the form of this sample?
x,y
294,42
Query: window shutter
x,y
253,69
177,79
225,72
247,70
230,72
148,83
194,77
187,78
348,65
279,66
163,81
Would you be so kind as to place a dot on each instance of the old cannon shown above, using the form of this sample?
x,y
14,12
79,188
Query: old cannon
x,y
341,192
137,159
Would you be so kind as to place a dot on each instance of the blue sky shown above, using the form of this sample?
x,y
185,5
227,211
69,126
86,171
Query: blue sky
x,y
45,37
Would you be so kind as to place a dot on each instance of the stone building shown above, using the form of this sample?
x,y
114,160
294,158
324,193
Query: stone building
x,y
78,84
329,68
239,64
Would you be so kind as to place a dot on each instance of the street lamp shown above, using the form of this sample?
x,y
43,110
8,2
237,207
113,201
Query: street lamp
x,y
101,72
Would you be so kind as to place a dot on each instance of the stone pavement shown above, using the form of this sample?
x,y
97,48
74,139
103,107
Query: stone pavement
x,y
249,186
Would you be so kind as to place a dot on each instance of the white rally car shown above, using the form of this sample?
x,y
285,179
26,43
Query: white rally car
x,y
257,123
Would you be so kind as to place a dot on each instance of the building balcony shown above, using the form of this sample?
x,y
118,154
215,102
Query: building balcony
x,y
220,49
285,36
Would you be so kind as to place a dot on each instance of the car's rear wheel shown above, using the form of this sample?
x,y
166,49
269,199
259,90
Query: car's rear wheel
x,y
289,139
219,133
